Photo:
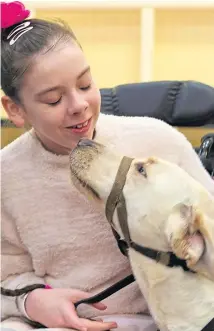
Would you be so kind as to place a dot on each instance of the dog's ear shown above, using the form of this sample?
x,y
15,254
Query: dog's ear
x,y
183,233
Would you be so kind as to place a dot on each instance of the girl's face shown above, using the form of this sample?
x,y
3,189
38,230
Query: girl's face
x,y
59,98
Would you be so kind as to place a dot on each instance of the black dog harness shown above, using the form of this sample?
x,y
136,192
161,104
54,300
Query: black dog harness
x,y
117,201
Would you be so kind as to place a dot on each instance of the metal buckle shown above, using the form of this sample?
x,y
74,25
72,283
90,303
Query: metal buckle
x,y
123,246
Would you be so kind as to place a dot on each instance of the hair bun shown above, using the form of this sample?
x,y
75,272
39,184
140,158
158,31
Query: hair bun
x,y
12,13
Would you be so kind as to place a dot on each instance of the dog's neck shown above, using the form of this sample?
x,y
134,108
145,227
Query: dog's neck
x,y
178,300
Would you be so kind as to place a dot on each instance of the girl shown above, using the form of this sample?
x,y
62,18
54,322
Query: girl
x,y
50,233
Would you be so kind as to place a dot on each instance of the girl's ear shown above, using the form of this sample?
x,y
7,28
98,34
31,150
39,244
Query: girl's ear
x,y
14,111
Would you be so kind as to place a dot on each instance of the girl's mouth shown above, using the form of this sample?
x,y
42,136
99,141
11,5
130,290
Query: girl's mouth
x,y
80,128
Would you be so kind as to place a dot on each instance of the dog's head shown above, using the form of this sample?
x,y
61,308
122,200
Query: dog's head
x,y
167,209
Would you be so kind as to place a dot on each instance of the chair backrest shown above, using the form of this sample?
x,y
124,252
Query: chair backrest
x,y
187,105
179,103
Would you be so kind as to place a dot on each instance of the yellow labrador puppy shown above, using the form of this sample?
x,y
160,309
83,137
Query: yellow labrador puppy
x,y
156,207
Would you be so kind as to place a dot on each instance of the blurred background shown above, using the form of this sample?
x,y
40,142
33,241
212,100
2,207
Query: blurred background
x,y
135,41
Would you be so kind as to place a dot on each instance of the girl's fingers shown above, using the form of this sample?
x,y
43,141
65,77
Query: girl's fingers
x,y
99,305
79,295
99,326
72,320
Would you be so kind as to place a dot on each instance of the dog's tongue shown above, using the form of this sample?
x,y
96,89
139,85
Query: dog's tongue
x,y
196,247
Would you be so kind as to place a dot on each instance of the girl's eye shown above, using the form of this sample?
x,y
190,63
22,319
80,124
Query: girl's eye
x,y
55,103
141,169
85,88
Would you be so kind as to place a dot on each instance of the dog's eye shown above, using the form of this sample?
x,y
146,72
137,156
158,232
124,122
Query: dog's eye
x,y
141,169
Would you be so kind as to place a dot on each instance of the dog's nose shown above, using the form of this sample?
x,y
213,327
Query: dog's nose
x,y
85,142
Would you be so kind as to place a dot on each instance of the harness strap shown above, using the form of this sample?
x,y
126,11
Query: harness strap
x,y
123,218
167,258
114,196
117,201
121,243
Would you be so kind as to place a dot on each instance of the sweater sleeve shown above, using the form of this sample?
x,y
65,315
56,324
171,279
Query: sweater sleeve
x,y
192,164
16,267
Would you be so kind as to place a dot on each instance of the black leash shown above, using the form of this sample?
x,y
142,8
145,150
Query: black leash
x,y
19,291
107,292
93,299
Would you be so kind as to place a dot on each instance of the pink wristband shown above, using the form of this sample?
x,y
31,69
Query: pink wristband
x,y
48,287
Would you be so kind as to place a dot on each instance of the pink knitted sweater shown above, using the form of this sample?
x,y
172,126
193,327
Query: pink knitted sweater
x,y
51,234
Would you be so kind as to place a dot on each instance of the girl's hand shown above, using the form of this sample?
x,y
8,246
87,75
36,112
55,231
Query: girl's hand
x,y
55,308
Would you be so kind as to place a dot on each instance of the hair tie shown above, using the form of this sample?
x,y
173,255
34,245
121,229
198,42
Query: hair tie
x,y
13,13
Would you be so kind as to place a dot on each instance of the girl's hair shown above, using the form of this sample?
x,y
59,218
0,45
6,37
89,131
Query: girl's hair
x,y
17,58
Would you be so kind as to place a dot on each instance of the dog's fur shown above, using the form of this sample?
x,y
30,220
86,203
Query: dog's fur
x,y
167,211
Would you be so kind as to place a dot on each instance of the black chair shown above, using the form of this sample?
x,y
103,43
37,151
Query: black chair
x,y
188,104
